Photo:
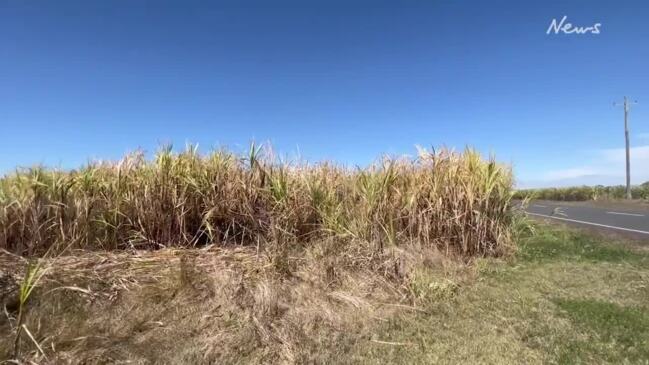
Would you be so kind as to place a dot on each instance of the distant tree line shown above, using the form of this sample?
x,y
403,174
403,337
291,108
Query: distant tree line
x,y
583,193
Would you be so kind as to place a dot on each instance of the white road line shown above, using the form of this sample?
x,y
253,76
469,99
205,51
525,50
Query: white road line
x,y
631,214
591,223
539,206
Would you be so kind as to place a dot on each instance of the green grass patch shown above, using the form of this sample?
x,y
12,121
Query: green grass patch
x,y
613,332
560,244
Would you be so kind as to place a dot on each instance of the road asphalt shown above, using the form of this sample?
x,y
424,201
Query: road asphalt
x,y
628,219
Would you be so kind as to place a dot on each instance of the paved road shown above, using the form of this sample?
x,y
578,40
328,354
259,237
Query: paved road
x,y
622,220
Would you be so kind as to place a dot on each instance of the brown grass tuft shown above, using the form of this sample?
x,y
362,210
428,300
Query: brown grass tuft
x,y
204,306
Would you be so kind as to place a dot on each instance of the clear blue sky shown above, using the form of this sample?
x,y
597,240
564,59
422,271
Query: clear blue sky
x,y
343,80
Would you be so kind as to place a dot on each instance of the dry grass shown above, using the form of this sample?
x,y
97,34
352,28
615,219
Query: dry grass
x,y
215,305
565,297
455,201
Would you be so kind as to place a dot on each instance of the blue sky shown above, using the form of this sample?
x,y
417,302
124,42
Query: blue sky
x,y
342,80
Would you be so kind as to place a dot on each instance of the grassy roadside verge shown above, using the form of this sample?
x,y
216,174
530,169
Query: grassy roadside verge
x,y
565,297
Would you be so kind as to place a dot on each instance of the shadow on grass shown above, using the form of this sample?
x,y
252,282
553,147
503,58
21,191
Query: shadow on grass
x,y
613,332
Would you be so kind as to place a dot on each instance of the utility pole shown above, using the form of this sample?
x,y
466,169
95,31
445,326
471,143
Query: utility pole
x,y
627,105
